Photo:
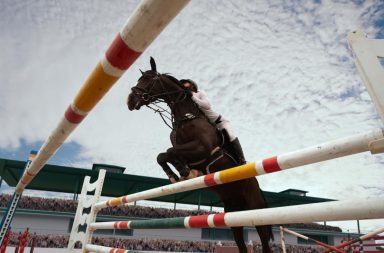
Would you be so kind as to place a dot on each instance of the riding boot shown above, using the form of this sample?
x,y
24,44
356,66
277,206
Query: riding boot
x,y
238,151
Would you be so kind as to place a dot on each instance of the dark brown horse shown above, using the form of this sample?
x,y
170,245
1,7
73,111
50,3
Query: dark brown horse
x,y
197,145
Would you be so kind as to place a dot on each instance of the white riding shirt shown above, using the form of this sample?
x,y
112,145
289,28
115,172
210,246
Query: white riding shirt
x,y
201,99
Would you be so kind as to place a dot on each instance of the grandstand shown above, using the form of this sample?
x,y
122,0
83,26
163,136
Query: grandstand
x,y
51,218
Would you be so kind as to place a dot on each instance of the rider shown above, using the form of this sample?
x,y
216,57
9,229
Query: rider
x,y
201,99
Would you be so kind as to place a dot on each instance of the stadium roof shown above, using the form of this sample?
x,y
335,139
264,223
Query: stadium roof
x,y
69,180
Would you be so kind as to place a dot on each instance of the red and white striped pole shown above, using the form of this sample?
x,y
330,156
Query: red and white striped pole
x,y
369,236
313,240
147,21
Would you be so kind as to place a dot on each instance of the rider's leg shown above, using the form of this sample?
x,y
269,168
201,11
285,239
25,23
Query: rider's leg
x,y
233,140
238,151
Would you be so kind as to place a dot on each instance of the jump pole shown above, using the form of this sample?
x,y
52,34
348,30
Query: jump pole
x,y
368,236
335,210
142,27
371,208
313,240
322,152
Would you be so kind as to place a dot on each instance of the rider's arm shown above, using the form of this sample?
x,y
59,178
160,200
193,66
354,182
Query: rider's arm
x,y
201,99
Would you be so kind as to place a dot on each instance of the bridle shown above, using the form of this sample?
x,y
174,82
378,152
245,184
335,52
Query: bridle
x,y
146,94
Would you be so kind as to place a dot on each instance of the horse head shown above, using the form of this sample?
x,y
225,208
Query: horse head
x,y
152,87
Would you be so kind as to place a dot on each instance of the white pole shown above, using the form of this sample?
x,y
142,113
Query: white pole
x,y
282,240
372,208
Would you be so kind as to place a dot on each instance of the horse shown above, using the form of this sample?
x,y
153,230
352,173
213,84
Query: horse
x,y
197,148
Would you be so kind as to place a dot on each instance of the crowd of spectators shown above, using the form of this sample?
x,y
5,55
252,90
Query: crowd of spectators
x,y
61,241
65,205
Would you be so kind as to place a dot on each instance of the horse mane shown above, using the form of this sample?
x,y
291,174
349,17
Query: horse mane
x,y
172,79
164,77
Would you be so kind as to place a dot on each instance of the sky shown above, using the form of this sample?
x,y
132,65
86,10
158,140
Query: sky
x,y
281,71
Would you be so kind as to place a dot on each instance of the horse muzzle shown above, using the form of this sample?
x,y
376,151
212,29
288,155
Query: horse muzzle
x,y
134,102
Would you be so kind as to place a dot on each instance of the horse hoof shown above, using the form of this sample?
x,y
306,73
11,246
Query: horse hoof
x,y
173,180
194,173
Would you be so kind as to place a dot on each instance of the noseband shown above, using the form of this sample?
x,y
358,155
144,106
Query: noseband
x,y
148,96
142,94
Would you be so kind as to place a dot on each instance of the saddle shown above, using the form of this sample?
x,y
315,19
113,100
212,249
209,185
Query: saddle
x,y
216,154
224,149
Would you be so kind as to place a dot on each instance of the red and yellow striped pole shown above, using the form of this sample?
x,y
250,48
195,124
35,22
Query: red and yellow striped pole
x,y
147,21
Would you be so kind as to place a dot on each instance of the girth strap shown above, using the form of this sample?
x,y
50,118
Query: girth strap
x,y
204,165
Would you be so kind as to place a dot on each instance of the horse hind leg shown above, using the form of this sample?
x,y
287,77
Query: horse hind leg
x,y
265,234
238,235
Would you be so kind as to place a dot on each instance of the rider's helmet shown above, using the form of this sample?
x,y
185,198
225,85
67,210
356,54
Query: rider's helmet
x,y
189,84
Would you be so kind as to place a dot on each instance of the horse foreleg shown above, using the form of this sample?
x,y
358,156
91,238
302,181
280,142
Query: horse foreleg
x,y
179,164
162,160
192,151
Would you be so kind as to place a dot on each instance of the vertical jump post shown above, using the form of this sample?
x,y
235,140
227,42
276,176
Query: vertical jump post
x,y
366,54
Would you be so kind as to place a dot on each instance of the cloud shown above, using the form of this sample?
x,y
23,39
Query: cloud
x,y
281,71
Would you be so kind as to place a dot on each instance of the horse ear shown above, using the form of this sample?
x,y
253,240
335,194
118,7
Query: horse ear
x,y
153,64
142,73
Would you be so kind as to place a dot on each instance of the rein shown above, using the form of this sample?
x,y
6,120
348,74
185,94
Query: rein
x,y
154,99
163,114
147,96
